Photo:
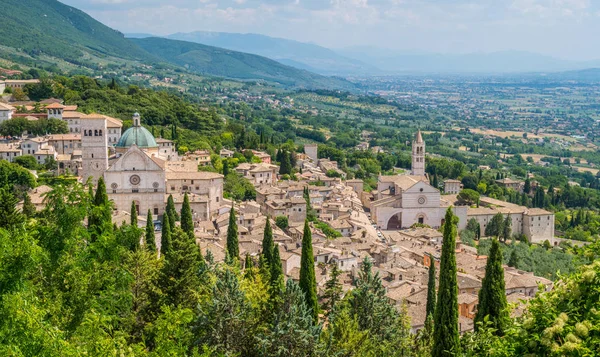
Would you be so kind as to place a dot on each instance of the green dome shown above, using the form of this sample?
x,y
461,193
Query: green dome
x,y
139,136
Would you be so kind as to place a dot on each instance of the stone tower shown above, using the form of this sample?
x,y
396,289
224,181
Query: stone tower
x,y
418,155
94,147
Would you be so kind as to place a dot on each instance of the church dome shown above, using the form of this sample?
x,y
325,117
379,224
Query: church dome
x,y
137,135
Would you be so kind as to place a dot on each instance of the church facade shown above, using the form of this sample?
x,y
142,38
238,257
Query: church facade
x,y
145,173
404,200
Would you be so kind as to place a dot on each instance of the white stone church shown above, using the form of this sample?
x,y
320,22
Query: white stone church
x,y
146,173
403,200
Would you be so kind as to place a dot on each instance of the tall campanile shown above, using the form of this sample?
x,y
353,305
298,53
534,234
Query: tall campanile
x,y
94,147
418,155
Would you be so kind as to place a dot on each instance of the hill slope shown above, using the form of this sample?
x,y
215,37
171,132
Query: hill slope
x,y
220,62
298,54
52,28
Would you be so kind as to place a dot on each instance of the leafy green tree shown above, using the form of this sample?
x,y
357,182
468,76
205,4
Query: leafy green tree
x,y
445,335
233,247
150,237
165,237
496,226
475,227
430,308
468,196
492,296
179,275
187,221
282,222
27,161
293,332
308,281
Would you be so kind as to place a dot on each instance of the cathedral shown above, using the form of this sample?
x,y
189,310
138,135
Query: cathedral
x,y
145,172
403,200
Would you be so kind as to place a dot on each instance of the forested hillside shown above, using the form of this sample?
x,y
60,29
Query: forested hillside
x,y
52,28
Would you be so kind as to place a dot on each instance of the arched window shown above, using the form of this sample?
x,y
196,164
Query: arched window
x,y
95,132
100,132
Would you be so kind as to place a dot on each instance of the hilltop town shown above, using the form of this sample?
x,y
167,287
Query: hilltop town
x,y
396,225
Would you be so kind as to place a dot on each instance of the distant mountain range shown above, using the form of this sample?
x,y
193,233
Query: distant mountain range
x,y
392,61
221,62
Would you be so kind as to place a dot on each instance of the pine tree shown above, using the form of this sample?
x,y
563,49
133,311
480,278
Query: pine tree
x,y
445,335
134,215
333,290
165,239
9,216
430,309
492,296
308,281
187,221
233,248
150,237
28,207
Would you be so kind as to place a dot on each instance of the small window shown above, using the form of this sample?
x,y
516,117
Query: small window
x,y
135,190
156,211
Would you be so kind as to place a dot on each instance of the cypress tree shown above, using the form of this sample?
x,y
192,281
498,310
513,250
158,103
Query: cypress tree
x,y
527,187
28,207
267,243
187,221
286,164
430,309
134,214
506,228
150,237
492,296
172,212
248,263
100,216
513,261
165,239
445,335
225,168
233,247
308,281
276,279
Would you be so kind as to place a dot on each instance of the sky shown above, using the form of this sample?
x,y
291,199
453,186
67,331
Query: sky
x,y
567,29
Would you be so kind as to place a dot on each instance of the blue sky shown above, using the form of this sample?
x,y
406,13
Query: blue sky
x,y
568,29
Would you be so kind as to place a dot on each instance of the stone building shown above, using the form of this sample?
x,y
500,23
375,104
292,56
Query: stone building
x,y
94,145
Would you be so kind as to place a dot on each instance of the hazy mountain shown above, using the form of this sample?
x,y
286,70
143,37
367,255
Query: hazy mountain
x,y
298,54
496,62
58,30
209,60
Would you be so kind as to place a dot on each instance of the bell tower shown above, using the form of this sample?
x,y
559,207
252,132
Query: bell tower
x,y
418,155
94,147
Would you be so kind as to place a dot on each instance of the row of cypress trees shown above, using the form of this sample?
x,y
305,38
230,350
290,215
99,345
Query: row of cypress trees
x,y
442,307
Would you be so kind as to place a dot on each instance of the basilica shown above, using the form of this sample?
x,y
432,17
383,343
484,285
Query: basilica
x,y
403,200
145,171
